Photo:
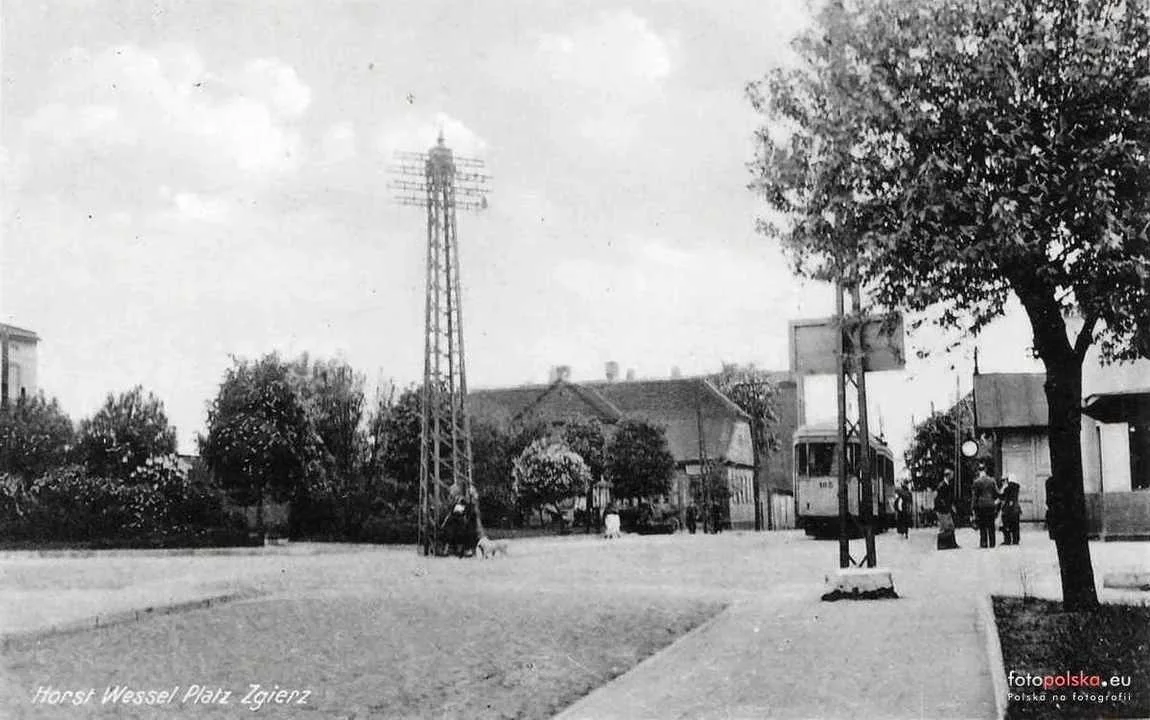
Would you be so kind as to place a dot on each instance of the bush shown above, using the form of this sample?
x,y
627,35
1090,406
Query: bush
x,y
158,505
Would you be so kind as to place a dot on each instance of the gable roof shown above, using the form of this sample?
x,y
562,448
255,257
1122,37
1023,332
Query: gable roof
x,y
677,404
1010,400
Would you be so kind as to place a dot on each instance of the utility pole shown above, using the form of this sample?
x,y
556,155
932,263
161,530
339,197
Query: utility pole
x,y
440,182
852,375
704,479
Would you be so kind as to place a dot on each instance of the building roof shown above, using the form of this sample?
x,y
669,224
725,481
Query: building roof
x,y
1010,400
20,333
1121,406
677,404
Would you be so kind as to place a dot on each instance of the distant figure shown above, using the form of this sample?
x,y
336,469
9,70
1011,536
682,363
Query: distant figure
x,y
944,510
716,518
903,501
692,518
611,528
1011,512
985,496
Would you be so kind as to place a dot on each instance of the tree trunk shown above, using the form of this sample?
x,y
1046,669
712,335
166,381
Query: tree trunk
x,y
755,477
1066,500
260,519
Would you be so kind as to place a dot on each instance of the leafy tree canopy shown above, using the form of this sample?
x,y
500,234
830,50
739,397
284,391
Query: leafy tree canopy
x,y
35,436
639,463
548,472
753,391
260,442
950,153
127,430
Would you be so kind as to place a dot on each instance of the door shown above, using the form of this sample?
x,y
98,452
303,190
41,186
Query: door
x,y
1018,459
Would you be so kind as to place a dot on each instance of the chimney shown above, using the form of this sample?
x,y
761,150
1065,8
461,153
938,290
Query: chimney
x,y
612,371
675,372
630,374
561,372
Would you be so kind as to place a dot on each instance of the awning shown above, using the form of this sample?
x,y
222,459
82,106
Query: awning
x,y
1121,406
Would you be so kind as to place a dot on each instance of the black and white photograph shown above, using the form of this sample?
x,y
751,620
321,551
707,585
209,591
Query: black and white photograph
x,y
587,360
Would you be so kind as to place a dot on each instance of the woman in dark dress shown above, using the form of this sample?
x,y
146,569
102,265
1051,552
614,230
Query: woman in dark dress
x,y
1011,512
902,504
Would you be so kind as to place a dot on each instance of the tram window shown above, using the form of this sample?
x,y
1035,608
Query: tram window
x,y
801,459
820,459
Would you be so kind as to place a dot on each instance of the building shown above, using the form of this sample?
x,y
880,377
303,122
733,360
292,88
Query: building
x,y
18,360
701,424
1116,447
1011,409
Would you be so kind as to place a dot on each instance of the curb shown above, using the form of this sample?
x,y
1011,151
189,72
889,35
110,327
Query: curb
x,y
124,617
298,550
573,712
994,655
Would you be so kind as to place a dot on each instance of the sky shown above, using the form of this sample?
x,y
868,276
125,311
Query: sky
x,y
187,182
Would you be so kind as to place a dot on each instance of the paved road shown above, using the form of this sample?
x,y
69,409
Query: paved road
x,y
777,652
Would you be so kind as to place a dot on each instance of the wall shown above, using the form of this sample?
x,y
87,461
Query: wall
x,y
1127,514
1025,454
778,467
742,504
22,363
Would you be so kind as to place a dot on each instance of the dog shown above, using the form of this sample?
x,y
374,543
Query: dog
x,y
489,548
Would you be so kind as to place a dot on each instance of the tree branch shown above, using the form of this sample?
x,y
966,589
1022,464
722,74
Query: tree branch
x,y
1085,337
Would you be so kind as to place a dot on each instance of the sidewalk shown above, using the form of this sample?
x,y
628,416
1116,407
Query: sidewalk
x,y
790,655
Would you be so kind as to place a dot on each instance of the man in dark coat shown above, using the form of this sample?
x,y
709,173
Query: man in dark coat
x,y
984,493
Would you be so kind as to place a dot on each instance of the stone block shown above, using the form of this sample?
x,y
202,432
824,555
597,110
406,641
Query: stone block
x,y
860,584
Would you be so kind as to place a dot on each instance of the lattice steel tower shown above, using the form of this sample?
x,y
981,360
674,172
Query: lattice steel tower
x,y
441,183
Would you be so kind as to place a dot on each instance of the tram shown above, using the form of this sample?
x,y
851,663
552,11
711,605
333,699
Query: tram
x,y
817,486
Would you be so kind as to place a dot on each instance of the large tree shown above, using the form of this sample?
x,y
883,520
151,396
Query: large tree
x,y
752,390
127,430
547,473
586,437
332,394
35,437
948,154
260,442
638,461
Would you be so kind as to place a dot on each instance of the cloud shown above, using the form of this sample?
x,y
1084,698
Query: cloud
x,y
416,132
617,53
609,71
276,85
162,107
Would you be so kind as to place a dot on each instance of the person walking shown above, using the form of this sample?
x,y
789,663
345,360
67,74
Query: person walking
x,y
902,504
944,509
985,496
1011,512
692,518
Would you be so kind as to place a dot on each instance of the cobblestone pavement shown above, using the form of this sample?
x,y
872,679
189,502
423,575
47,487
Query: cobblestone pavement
x,y
776,652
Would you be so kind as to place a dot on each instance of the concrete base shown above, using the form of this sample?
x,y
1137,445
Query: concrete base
x,y
860,584
1129,580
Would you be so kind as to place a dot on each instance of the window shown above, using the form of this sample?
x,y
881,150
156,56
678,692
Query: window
x,y
821,459
801,459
